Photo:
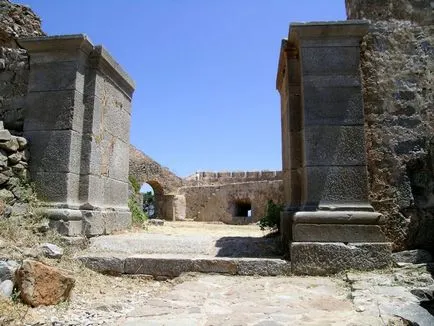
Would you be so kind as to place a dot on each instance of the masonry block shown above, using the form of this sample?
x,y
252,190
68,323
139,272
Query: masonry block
x,y
57,187
56,76
325,59
91,191
115,193
333,106
62,110
334,145
336,184
325,258
337,233
55,150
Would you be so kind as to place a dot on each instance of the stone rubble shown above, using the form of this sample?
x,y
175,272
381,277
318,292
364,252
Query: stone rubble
x,y
14,175
15,21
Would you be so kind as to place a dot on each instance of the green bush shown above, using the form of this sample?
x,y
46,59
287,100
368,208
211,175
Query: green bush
x,y
271,220
134,184
137,213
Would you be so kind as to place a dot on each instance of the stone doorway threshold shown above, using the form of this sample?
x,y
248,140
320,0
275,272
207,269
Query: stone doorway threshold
x,y
180,247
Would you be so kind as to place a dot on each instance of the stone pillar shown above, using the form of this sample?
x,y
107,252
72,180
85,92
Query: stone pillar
x,y
328,221
77,121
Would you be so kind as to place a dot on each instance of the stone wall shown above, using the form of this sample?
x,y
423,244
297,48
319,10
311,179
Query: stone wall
x,y
215,196
14,175
15,21
208,178
397,70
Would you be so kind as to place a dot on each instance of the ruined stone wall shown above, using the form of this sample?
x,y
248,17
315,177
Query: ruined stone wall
x,y
145,170
14,174
213,196
397,70
217,202
215,178
15,21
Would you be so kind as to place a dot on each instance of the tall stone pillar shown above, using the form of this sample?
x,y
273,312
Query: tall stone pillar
x,y
328,221
77,121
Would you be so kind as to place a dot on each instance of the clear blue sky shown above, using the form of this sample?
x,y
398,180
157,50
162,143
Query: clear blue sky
x,y
205,72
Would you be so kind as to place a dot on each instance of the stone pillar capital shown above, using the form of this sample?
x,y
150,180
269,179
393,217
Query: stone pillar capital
x,y
62,43
348,29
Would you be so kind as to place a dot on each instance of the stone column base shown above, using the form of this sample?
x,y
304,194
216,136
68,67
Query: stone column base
x,y
76,222
325,258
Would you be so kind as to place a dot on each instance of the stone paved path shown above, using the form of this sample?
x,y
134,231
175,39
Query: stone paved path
x,y
350,299
226,300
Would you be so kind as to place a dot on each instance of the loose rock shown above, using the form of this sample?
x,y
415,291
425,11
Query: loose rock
x,y
40,284
10,145
6,288
7,270
156,221
51,250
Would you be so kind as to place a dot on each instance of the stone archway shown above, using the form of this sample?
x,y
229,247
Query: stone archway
x,y
154,207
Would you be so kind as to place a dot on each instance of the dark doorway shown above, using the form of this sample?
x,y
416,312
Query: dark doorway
x,y
243,209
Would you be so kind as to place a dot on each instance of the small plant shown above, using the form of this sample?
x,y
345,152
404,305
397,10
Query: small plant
x,y
137,213
134,184
271,220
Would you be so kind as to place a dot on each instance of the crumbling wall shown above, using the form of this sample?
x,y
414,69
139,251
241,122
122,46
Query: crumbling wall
x,y
398,83
15,21
145,170
14,174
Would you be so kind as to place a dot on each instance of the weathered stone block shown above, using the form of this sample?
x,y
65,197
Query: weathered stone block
x,y
333,106
336,184
334,145
117,220
320,60
115,193
105,265
263,267
91,191
59,111
56,76
338,217
57,186
115,120
55,151
337,233
316,258
118,160
104,222
158,267
67,228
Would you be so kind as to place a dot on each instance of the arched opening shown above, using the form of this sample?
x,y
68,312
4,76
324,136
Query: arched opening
x,y
152,193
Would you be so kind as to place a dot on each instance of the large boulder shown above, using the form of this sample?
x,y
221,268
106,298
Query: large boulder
x,y
40,284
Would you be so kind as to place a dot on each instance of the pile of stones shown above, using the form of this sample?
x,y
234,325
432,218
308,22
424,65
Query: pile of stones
x,y
35,282
17,21
14,157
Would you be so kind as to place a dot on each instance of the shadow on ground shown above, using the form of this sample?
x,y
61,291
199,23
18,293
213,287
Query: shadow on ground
x,y
249,247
